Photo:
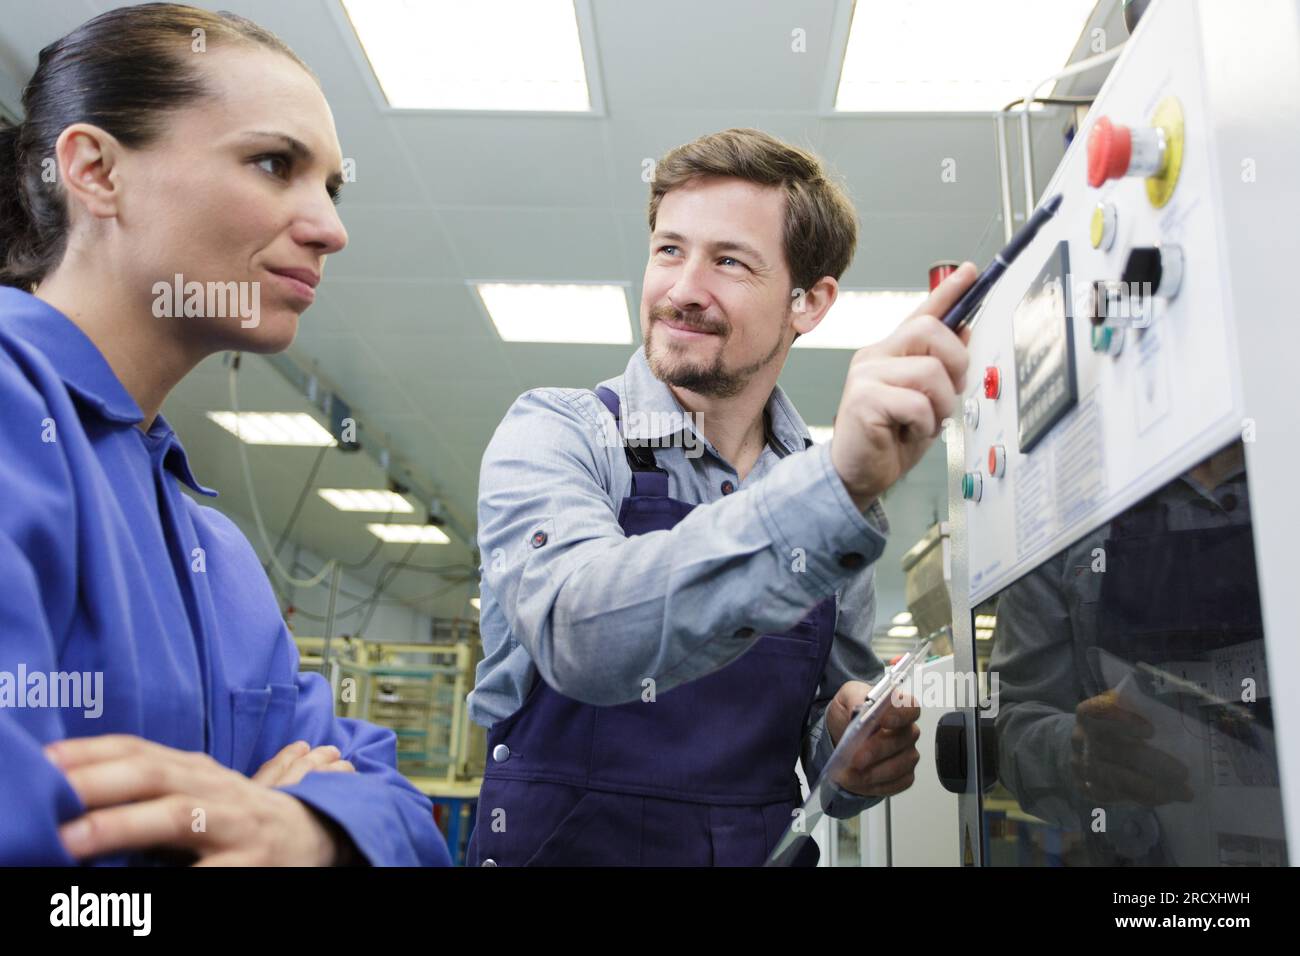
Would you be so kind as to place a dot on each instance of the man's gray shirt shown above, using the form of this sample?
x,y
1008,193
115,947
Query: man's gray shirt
x,y
567,595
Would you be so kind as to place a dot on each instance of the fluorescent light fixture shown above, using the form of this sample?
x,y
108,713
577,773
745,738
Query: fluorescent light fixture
x,y
484,55
983,633
821,434
954,55
408,533
986,620
274,428
860,318
366,499
902,617
554,312
476,603
906,631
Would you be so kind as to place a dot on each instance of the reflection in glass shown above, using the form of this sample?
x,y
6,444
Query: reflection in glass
x,y
1134,721
848,842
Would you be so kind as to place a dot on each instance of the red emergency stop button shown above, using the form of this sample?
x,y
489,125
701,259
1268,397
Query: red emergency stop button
x,y
992,382
1110,148
997,461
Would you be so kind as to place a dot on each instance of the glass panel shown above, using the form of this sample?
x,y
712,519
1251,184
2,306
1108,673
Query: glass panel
x,y
1133,717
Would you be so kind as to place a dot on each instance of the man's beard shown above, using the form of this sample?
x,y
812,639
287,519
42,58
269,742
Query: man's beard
x,y
713,379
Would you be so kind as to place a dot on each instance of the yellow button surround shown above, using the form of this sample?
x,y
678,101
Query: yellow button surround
x,y
1168,116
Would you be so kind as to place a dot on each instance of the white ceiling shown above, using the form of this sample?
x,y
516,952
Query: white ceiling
x,y
442,198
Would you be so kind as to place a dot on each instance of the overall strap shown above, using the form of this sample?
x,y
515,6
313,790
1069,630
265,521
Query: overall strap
x,y
648,479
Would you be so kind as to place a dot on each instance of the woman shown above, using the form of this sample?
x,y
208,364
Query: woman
x,y
150,704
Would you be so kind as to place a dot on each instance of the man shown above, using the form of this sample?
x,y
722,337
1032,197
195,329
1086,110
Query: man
x,y
672,605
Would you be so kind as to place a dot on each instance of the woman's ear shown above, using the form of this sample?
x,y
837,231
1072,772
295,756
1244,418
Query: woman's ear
x,y
86,158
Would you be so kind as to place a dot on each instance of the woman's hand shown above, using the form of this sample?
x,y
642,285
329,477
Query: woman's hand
x,y
297,760
140,795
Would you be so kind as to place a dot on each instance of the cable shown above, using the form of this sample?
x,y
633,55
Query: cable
x,y
437,572
1054,101
302,498
297,508
389,571
285,598
252,495
319,619
307,487
1082,66
381,584
440,568
1026,140
467,579
379,544
385,575
361,628
364,602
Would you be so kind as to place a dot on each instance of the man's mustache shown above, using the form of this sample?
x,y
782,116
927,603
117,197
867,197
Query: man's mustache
x,y
694,321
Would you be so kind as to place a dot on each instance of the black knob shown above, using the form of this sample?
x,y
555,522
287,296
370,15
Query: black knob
x,y
950,757
950,751
1143,271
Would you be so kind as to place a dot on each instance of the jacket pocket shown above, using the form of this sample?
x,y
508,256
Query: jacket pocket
x,y
261,724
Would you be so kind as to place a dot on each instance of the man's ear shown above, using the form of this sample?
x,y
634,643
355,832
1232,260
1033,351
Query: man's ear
x,y
809,306
87,157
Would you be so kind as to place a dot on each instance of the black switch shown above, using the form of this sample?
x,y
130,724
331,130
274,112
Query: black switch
x,y
1143,271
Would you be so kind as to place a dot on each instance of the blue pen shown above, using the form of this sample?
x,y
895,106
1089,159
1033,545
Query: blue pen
x,y
965,307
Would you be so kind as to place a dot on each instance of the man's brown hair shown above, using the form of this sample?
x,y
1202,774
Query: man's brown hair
x,y
821,229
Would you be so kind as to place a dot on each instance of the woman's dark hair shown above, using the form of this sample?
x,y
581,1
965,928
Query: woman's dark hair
x,y
123,71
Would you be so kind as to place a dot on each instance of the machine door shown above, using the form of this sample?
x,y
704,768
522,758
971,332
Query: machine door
x,y
1133,716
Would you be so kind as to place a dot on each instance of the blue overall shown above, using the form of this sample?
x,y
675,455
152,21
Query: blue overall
x,y
109,569
702,775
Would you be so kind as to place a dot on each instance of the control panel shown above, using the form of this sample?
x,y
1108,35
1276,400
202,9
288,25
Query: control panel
x,y
1100,364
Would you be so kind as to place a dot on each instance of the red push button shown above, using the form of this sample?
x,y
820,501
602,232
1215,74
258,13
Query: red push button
x,y
1110,149
997,461
992,382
